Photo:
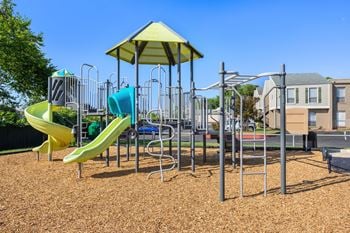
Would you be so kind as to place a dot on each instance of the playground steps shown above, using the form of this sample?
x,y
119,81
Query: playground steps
x,y
253,156
249,173
254,173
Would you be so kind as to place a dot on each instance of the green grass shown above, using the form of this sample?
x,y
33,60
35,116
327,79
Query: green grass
x,y
166,143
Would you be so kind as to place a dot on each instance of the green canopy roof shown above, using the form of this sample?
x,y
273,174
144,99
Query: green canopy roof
x,y
157,45
61,73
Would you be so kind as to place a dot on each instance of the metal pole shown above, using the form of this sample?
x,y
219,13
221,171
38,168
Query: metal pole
x,y
240,142
128,142
179,107
79,171
107,114
170,111
204,148
233,133
78,128
137,105
49,152
222,133
118,88
206,132
101,129
283,128
193,119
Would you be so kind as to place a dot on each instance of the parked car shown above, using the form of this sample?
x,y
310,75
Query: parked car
x,y
148,129
249,124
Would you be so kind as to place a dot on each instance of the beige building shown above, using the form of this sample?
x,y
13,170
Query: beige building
x,y
327,102
341,103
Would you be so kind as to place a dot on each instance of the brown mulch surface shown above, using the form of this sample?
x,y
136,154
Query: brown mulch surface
x,y
42,196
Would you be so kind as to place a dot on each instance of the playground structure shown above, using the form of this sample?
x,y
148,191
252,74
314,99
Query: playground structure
x,y
229,80
156,102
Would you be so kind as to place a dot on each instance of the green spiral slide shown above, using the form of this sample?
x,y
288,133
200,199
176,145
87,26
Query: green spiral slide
x,y
39,117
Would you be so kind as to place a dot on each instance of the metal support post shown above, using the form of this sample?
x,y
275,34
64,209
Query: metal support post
x,y
118,88
204,148
128,142
101,129
107,114
233,133
50,148
79,171
283,128
222,133
137,106
170,111
78,128
193,119
179,107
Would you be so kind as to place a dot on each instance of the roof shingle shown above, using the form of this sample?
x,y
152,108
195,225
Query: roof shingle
x,y
302,79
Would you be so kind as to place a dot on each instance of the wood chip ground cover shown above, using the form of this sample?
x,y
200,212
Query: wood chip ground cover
x,y
42,196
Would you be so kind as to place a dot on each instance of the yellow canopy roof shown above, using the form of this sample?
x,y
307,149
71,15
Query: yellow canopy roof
x,y
157,45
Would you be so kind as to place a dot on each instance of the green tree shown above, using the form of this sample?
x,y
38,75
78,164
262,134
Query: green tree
x,y
23,66
9,116
213,103
246,89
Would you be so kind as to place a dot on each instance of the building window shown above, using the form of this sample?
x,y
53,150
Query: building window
x,y
341,119
313,95
340,94
312,118
290,95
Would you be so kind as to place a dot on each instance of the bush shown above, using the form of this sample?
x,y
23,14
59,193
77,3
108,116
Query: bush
x,y
65,116
9,116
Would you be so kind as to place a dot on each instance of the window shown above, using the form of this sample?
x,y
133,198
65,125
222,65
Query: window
x,y
290,95
341,119
340,94
312,118
313,95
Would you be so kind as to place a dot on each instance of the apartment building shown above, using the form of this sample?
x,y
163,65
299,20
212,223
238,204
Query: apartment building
x,y
327,102
341,103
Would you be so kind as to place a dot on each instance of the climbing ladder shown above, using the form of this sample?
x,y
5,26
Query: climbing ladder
x,y
244,157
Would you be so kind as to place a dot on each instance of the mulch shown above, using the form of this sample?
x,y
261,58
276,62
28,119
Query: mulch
x,y
43,196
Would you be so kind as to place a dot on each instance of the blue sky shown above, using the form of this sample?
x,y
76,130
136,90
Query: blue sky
x,y
250,36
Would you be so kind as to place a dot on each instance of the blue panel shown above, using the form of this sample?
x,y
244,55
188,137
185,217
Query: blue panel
x,y
123,103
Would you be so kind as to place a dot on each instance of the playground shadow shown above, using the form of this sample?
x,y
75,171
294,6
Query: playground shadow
x,y
57,160
211,165
212,159
307,185
145,167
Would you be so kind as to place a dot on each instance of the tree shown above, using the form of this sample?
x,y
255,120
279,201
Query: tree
x,y
246,89
213,103
23,66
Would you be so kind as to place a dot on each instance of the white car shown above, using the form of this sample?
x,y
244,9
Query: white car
x,y
250,125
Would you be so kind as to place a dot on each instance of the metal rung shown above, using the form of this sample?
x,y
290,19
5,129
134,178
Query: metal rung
x,y
253,140
253,157
254,173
